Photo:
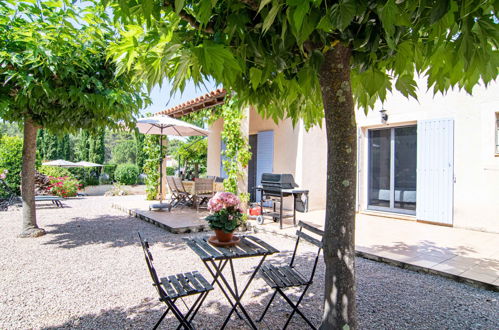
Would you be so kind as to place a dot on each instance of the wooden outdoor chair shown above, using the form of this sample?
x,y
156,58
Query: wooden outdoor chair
x,y
185,197
203,191
283,277
175,195
174,287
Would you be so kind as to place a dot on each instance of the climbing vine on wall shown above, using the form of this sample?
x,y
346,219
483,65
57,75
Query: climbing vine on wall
x,y
237,150
151,165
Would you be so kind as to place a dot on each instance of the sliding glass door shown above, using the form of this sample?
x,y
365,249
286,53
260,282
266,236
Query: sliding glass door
x,y
392,169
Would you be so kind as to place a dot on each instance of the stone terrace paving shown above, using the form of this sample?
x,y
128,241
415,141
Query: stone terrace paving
x,y
464,255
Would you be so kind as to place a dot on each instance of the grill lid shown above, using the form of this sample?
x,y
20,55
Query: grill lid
x,y
278,181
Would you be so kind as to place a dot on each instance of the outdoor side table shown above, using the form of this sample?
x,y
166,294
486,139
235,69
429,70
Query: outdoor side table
x,y
216,258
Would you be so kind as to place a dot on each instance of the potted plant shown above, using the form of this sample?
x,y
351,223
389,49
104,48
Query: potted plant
x,y
225,216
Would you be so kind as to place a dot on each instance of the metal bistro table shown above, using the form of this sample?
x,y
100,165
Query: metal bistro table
x,y
216,258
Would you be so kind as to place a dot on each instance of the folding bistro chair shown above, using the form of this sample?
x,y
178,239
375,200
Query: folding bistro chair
x,y
175,287
203,191
282,277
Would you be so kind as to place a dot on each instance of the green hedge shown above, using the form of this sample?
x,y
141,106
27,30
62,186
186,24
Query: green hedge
x,y
170,170
11,159
126,174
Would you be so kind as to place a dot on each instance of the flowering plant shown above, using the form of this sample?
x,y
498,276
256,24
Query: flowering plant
x,y
64,186
225,212
3,175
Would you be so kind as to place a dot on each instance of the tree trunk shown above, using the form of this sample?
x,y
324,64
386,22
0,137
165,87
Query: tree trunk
x,y
30,228
339,240
196,170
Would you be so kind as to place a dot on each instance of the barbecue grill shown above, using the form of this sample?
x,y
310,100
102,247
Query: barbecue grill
x,y
274,188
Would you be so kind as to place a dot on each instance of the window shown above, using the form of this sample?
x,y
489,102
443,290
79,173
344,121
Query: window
x,y
497,133
392,169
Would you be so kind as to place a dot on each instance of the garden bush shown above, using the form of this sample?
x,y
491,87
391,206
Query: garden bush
x,y
11,159
65,186
109,170
56,172
126,174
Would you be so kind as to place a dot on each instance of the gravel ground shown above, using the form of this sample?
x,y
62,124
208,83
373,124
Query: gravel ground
x,y
88,272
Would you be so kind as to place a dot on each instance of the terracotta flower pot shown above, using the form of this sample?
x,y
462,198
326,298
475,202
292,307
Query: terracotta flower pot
x,y
223,236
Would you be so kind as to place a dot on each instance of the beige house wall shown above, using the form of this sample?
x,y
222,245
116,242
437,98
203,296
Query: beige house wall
x,y
295,151
476,167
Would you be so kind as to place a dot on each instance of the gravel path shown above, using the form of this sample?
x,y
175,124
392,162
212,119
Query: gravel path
x,y
88,272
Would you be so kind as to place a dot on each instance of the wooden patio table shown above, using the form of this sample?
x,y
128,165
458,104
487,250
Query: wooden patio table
x,y
189,186
216,258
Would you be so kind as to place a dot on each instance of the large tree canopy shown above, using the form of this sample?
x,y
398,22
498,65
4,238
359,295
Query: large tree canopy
x,y
314,59
270,51
54,74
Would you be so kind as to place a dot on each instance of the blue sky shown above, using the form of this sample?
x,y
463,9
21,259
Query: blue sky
x,y
162,100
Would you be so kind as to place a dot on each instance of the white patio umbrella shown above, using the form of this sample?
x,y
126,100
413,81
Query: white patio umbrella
x,y
88,164
60,163
165,125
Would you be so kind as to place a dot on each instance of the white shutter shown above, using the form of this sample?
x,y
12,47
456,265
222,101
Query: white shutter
x,y
265,156
435,171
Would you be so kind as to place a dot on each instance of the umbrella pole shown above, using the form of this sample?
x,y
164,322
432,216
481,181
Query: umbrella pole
x,y
161,167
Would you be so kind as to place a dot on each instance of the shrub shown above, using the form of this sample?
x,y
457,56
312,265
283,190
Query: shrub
x,y
56,172
109,170
11,159
65,186
126,174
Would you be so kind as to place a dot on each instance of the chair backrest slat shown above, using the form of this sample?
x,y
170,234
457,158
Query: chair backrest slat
x,y
203,185
150,266
171,184
179,184
313,229
309,239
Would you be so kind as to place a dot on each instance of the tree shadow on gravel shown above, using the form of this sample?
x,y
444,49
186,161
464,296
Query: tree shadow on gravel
x,y
146,314
114,231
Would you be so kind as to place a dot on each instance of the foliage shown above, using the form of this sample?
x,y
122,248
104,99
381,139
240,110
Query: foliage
x,y
236,151
65,186
126,174
11,160
139,145
192,154
270,52
170,170
124,151
54,68
96,152
52,146
56,171
226,214
109,170
151,165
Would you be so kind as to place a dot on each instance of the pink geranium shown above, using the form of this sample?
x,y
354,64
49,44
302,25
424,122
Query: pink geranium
x,y
223,200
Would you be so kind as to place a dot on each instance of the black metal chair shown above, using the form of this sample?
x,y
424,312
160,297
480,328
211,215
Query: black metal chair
x,y
175,287
282,277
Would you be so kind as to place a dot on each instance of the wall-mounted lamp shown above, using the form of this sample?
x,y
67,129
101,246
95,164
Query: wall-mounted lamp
x,y
384,116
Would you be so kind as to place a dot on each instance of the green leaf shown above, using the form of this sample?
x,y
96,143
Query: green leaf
x,y
406,85
299,14
179,4
439,10
255,77
325,24
343,13
263,4
269,19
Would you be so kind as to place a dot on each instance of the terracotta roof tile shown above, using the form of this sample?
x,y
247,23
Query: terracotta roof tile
x,y
208,100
